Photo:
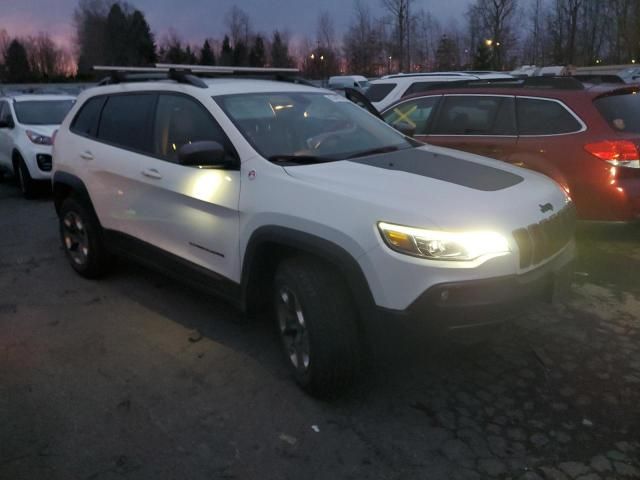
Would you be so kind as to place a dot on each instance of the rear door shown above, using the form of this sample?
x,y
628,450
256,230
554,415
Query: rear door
x,y
111,157
188,211
480,124
550,140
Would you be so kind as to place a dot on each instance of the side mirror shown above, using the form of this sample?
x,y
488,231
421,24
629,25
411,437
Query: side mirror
x,y
204,154
7,123
405,128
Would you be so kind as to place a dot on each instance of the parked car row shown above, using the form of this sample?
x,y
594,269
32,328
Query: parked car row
x,y
283,197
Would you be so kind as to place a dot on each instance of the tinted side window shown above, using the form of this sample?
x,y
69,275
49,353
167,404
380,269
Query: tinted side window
x,y
418,87
86,121
413,112
2,110
476,115
5,112
179,121
544,117
125,121
378,91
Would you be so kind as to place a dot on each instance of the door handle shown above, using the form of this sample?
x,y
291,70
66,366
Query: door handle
x,y
152,173
86,155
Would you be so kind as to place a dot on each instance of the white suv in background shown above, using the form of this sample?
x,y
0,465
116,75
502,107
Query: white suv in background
x,y
27,124
291,199
391,88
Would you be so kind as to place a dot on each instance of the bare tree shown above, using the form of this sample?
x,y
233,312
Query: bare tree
x,y
238,25
400,11
361,43
45,57
496,18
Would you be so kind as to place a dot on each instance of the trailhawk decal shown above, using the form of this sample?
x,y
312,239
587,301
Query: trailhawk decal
x,y
444,167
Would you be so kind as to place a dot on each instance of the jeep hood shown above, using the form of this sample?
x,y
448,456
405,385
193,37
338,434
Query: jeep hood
x,y
439,186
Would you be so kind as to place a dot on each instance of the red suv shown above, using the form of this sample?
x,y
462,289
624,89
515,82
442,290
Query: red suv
x,y
586,138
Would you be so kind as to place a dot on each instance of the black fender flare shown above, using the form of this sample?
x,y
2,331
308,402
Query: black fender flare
x,y
65,184
306,243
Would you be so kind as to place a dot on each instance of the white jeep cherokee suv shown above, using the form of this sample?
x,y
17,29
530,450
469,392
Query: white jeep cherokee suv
x,y
284,196
27,123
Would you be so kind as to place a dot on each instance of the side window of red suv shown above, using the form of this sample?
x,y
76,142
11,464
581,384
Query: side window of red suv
x,y
537,116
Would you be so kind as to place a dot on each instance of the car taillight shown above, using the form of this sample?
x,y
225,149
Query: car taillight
x,y
620,153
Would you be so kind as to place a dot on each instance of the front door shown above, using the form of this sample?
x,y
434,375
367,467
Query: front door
x,y
188,211
5,136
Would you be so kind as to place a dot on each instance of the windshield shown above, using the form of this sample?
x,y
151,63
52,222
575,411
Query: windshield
x,y
622,112
378,91
42,112
309,126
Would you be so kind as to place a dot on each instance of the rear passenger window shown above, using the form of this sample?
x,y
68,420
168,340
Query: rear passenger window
x,y
417,87
476,115
545,117
126,120
379,91
415,113
180,121
86,121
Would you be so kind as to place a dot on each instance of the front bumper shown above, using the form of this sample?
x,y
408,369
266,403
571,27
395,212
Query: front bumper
x,y
458,305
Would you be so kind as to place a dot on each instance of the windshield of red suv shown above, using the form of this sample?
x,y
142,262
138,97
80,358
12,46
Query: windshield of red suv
x,y
309,125
42,112
622,112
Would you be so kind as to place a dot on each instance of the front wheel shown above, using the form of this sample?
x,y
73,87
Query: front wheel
x,y
82,239
25,182
317,325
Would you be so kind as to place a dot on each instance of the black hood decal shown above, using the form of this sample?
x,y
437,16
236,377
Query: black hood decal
x,y
444,167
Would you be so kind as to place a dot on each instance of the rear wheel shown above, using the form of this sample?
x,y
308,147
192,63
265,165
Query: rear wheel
x,y
82,239
317,325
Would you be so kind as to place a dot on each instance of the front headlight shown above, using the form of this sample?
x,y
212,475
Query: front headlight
x,y
439,245
38,139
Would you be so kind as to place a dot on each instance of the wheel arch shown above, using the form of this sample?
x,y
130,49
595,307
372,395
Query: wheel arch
x,y
66,184
270,244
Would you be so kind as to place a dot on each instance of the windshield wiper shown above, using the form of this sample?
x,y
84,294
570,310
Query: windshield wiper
x,y
299,159
375,151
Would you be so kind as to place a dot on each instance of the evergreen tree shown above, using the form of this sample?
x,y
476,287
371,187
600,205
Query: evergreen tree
x,y
174,52
257,55
141,41
446,57
118,48
226,54
207,57
279,52
190,56
482,59
240,55
16,63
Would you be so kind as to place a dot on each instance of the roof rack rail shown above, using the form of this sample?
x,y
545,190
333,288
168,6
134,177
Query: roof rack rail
x,y
189,74
145,74
557,83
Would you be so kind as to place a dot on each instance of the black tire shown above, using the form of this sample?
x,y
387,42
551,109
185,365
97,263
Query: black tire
x,y
81,237
26,184
329,326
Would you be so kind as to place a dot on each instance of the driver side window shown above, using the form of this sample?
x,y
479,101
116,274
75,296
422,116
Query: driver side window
x,y
180,121
416,113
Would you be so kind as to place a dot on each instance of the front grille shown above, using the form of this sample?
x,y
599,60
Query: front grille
x,y
540,241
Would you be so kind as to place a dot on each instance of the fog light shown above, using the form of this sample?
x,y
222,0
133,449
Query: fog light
x,y
44,162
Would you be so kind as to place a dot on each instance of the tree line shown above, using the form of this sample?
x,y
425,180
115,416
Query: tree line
x,y
493,34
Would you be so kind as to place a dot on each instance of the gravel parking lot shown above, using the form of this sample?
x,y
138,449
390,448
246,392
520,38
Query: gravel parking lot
x,y
138,377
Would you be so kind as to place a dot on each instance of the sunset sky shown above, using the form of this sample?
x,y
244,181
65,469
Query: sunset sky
x,y
195,20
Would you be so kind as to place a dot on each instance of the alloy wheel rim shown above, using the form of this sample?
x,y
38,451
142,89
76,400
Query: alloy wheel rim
x,y
293,330
75,238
